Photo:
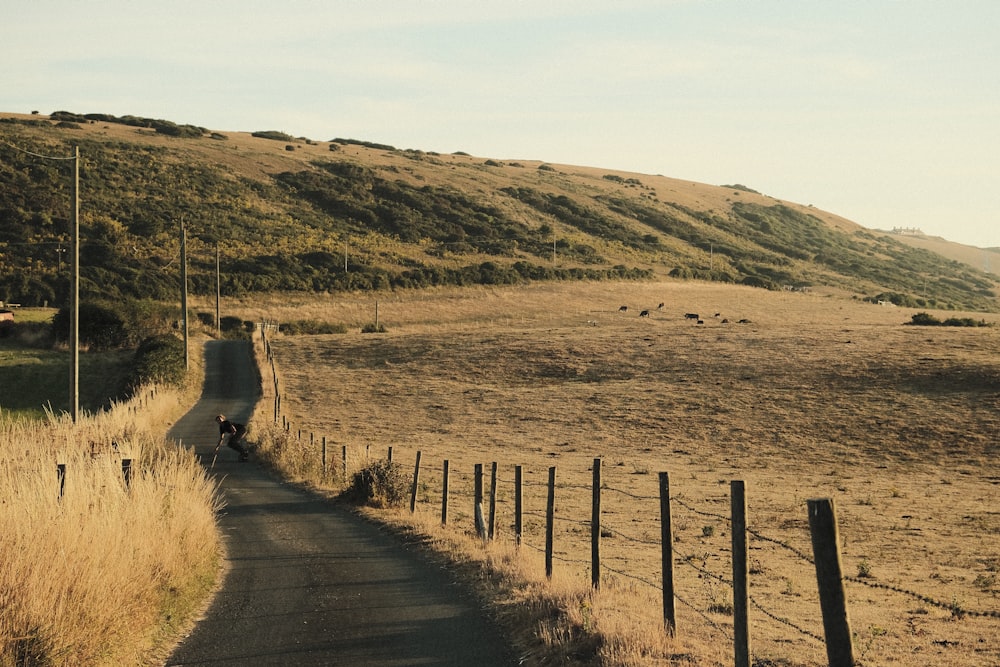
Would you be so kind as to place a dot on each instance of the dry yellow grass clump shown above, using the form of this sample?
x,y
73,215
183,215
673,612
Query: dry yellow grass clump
x,y
97,571
813,395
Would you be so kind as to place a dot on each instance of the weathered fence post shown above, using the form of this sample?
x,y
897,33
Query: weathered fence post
x,y
444,494
389,455
416,481
477,500
61,477
741,575
667,547
550,515
517,505
343,460
323,457
833,602
127,472
595,528
493,499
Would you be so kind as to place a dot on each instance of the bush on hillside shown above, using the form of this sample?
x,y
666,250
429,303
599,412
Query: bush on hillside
x,y
928,320
272,134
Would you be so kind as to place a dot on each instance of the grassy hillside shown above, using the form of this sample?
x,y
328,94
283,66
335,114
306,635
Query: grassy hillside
x,y
296,214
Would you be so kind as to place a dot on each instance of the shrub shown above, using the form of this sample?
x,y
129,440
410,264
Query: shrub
x,y
101,326
371,327
231,326
272,134
964,322
924,319
299,327
380,484
160,360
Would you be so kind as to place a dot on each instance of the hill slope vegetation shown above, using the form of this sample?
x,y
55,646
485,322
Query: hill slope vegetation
x,y
291,213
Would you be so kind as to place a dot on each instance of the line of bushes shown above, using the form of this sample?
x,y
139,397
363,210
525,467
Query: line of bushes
x,y
928,320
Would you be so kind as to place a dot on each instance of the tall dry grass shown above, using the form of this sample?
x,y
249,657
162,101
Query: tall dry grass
x,y
106,573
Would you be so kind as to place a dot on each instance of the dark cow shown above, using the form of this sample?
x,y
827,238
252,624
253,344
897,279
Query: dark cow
x,y
623,309
692,316
644,313
660,307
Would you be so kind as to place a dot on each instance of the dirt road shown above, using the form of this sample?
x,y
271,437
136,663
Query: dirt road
x,y
310,583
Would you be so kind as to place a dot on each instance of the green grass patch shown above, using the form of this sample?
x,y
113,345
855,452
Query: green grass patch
x,y
35,379
34,314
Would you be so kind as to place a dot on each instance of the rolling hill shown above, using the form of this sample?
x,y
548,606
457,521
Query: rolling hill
x,y
292,213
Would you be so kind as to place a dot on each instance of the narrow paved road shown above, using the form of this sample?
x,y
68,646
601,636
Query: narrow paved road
x,y
310,583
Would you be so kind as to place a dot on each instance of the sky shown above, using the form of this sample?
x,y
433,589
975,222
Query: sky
x,y
884,112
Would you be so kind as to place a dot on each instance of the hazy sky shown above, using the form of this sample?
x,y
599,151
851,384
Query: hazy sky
x,y
887,113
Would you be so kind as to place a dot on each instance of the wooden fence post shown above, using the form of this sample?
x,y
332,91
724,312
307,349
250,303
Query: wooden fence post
x,y
477,500
833,602
595,528
61,477
550,515
323,457
416,481
127,472
343,461
493,499
741,575
518,507
667,547
444,494
389,455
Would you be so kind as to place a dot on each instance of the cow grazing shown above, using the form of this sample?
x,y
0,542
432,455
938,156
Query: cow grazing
x,y
701,321
692,316
623,309
644,313
660,307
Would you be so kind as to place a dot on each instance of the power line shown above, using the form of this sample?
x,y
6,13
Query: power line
x,y
38,155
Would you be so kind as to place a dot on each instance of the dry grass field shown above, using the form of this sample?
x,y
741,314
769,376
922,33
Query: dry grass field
x,y
814,395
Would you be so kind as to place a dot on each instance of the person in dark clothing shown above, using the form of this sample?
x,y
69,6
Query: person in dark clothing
x,y
235,432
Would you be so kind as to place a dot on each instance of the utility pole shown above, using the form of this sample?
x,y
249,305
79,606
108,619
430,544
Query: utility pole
x,y
74,309
184,294
218,292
